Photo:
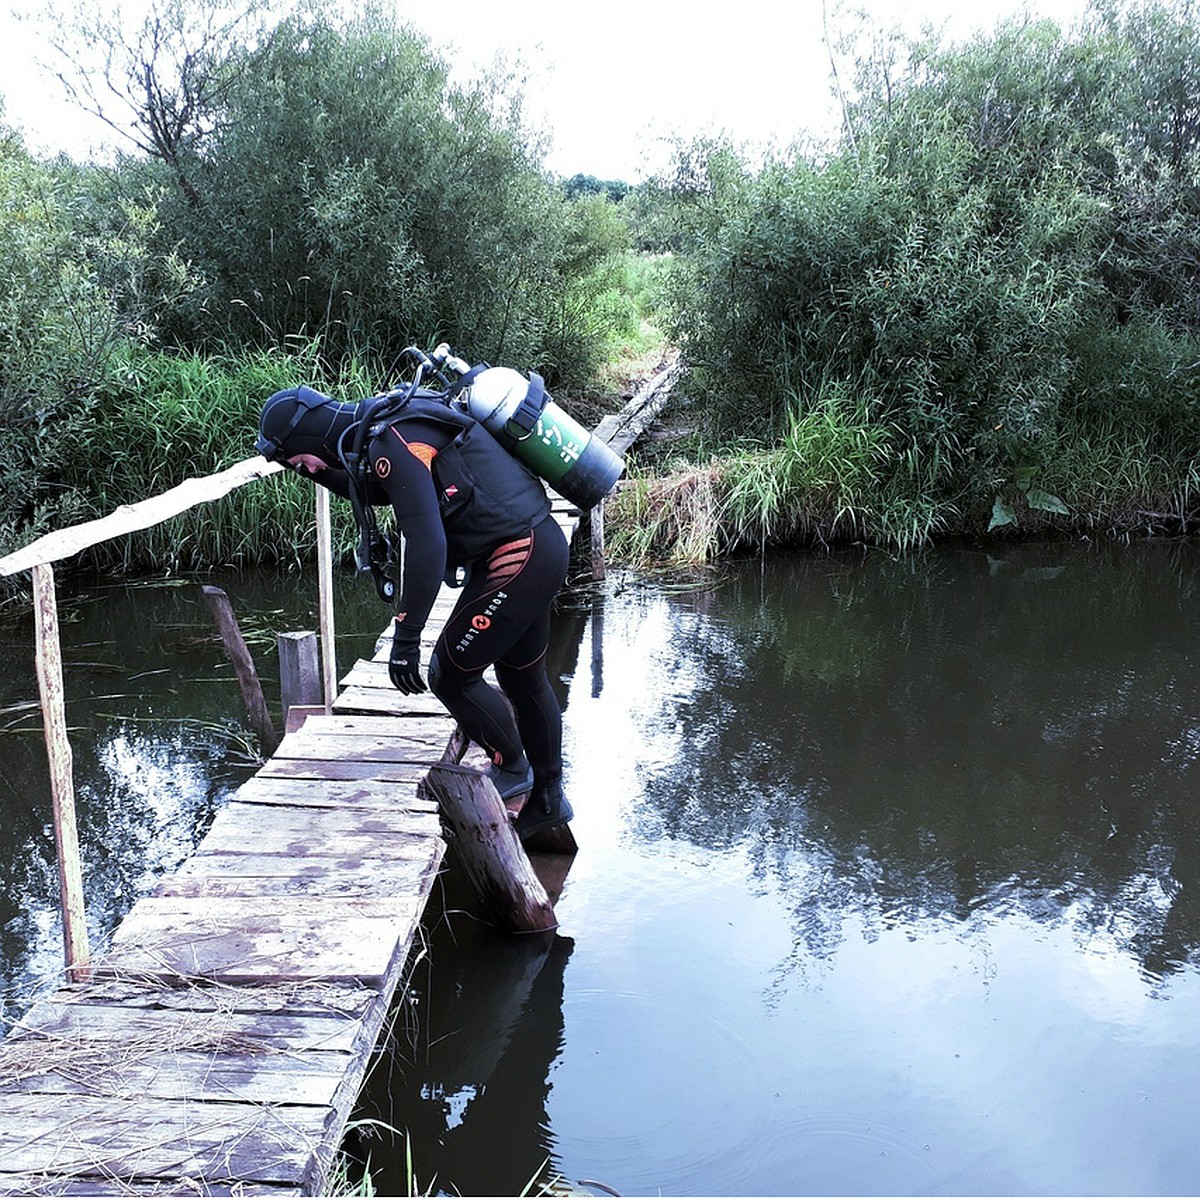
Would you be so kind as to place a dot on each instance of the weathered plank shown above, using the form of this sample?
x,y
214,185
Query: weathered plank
x,y
217,1142
280,875
373,701
187,1075
305,830
350,725
416,746
56,1185
185,1029
370,673
344,770
363,794
238,939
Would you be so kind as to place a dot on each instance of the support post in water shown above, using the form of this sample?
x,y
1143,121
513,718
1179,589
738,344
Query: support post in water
x,y
243,666
299,671
62,786
489,849
325,597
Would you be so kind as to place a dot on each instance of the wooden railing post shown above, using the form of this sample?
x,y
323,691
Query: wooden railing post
x,y
62,785
325,597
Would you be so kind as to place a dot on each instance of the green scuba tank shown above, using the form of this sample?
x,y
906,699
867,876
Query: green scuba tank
x,y
554,446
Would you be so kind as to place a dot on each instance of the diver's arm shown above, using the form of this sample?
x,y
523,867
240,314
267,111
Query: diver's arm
x,y
408,485
336,479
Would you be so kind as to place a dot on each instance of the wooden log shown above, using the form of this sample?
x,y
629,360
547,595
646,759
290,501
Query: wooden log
x,y
62,786
299,671
489,849
243,665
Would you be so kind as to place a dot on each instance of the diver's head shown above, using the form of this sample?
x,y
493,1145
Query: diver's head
x,y
302,421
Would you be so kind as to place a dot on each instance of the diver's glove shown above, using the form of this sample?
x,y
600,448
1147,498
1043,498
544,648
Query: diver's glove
x,y
404,665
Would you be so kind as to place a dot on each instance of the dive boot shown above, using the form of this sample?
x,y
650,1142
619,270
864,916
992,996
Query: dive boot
x,y
511,781
545,808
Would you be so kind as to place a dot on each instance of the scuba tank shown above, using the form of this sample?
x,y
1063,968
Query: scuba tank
x,y
520,414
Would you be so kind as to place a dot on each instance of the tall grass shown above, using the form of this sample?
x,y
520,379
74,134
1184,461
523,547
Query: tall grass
x,y
164,418
821,483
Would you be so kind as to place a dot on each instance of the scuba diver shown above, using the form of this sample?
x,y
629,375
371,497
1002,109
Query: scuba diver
x,y
461,501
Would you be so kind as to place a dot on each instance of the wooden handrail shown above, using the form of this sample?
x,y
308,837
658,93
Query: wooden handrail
x,y
63,543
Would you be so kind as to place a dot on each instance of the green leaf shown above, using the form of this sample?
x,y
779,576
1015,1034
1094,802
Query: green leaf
x,y
1045,501
1001,515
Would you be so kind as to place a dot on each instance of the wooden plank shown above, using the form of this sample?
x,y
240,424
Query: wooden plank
x,y
356,845
279,875
340,770
364,794
297,998
358,726
237,827
185,1075
423,745
63,543
43,1185
372,701
237,940
184,1029
84,1136
368,673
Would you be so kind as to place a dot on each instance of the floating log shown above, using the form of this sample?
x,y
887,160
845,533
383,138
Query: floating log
x,y
481,829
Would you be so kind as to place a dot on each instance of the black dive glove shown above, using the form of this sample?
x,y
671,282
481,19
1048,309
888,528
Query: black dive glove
x,y
404,665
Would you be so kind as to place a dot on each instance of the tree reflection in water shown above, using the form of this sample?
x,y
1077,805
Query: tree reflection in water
x,y
944,737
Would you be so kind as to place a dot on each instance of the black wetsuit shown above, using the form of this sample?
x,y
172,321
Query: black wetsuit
x,y
516,556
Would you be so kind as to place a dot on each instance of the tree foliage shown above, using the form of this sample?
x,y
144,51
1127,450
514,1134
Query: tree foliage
x,y
345,189
999,256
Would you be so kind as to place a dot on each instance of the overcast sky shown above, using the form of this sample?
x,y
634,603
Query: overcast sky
x,y
612,83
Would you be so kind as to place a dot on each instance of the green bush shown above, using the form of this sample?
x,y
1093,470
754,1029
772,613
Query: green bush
x,y
1001,254
346,190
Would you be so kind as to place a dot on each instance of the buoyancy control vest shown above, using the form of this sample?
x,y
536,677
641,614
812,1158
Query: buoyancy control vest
x,y
485,494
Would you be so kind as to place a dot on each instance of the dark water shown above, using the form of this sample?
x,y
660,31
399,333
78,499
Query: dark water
x,y
889,884
158,736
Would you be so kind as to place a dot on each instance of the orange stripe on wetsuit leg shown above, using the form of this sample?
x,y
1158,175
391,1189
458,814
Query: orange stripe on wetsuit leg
x,y
507,561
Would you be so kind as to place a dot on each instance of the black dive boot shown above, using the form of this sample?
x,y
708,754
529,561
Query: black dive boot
x,y
512,780
545,808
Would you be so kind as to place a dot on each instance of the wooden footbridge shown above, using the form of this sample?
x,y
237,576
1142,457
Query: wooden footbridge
x,y
217,1044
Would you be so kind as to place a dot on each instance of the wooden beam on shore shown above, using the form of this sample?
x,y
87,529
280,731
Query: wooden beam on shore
x,y
621,430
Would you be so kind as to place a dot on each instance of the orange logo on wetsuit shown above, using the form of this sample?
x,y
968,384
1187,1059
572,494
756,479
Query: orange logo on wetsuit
x,y
481,622
383,467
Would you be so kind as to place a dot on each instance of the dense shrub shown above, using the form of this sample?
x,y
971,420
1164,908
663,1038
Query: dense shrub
x,y
345,189
1001,259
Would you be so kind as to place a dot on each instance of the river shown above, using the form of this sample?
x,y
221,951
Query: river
x,y
888,882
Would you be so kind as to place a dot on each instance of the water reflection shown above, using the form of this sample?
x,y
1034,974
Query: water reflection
x,y
887,885
943,739
158,738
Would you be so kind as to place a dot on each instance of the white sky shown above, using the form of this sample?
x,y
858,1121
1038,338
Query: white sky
x,y
613,83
